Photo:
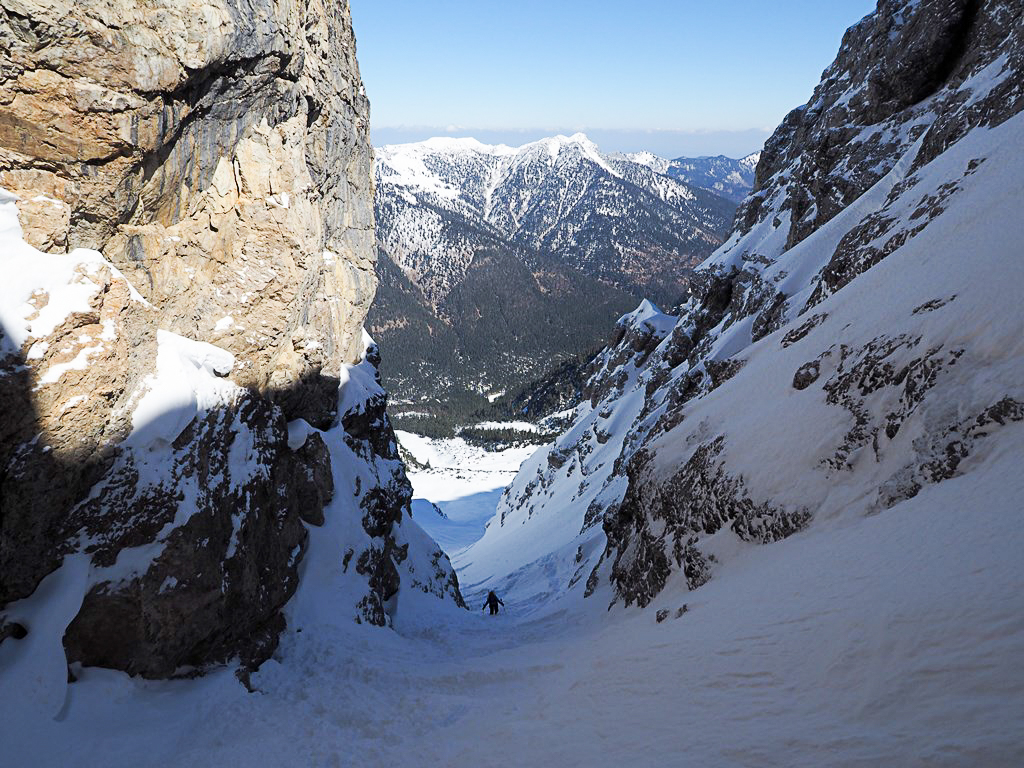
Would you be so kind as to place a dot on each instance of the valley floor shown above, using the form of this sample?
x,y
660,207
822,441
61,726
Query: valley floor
x,y
894,640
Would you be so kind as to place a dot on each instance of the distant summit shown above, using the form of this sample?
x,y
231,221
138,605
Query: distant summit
x,y
729,178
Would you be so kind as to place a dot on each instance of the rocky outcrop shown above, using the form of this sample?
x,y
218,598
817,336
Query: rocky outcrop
x,y
133,447
909,76
855,341
218,155
66,394
198,176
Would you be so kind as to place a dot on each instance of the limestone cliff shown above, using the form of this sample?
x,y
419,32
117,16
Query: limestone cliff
x,y
217,153
197,177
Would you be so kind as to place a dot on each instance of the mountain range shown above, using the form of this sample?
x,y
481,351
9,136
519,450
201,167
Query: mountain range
x,y
498,263
725,176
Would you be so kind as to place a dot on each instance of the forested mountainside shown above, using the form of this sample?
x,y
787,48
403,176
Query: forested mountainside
x,y
513,260
732,179
857,340
190,403
513,316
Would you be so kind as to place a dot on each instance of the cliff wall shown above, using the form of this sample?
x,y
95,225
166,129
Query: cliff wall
x,y
187,229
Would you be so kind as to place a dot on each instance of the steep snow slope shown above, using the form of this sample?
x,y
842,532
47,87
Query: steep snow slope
x,y
797,655
832,363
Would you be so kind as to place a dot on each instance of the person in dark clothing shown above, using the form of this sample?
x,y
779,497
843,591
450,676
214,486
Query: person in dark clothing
x,y
493,601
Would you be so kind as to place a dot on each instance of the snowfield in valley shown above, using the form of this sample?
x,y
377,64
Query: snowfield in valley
x,y
463,481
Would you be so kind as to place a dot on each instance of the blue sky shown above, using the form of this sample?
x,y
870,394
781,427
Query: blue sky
x,y
677,77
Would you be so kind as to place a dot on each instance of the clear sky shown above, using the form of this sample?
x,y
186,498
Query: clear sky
x,y
677,77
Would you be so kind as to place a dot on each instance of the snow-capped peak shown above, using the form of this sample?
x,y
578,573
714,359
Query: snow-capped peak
x,y
650,160
553,146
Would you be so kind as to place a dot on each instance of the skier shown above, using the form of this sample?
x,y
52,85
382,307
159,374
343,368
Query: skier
x,y
493,601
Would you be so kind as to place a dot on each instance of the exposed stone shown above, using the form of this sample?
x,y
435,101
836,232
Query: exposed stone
x,y
218,154
12,630
220,577
798,333
385,503
313,481
807,374
80,416
654,526
938,456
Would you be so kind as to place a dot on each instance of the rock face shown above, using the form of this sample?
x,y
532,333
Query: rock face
x,y
855,341
217,154
199,177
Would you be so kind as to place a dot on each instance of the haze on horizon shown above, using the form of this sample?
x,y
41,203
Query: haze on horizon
x,y
675,77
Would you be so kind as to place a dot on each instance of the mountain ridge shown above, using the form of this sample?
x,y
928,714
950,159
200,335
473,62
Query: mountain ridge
x,y
838,354
611,229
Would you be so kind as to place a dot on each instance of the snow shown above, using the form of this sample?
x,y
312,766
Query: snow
x,y
65,282
465,481
34,670
447,144
649,315
358,383
796,654
979,220
224,323
187,382
298,432
751,160
650,160
79,363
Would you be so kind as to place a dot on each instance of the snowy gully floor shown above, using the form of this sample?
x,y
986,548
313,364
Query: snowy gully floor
x,y
856,643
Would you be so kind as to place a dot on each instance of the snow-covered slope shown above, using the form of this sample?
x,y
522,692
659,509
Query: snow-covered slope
x,y
855,643
456,485
837,358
